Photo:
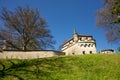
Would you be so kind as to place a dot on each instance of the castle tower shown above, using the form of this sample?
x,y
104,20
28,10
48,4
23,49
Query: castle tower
x,y
75,35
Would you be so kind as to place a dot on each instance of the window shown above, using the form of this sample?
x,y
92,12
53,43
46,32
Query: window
x,y
85,45
80,38
73,53
92,45
90,52
81,45
89,45
83,52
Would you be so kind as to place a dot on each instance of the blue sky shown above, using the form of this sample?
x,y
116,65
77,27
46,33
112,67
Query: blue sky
x,y
63,16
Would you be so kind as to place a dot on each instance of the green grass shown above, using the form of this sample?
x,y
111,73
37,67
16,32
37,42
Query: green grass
x,y
81,67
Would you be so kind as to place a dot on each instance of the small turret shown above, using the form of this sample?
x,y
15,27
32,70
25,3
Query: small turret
x,y
75,35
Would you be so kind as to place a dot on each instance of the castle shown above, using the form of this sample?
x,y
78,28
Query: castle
x,y
79,44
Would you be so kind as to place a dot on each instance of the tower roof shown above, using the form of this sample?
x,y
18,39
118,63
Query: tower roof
x,y
75,32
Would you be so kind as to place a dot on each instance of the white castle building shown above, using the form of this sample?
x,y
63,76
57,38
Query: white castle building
x,y
79,44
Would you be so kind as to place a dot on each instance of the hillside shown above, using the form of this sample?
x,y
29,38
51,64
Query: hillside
x,y
82,67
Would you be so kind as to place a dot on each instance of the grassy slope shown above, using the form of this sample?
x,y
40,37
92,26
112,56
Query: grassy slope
x,y
82,67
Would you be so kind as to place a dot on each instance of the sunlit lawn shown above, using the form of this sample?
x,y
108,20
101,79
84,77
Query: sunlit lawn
x,y
81,67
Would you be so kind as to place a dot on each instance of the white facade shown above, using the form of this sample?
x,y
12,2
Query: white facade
x,y
79,44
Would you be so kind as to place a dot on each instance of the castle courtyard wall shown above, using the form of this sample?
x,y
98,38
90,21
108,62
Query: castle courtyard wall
x,y
29,54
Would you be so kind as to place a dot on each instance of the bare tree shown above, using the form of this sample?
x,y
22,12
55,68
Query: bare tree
x,y
107,19
25,29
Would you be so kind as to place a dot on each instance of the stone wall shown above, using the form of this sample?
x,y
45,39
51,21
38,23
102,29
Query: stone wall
x,y
29,54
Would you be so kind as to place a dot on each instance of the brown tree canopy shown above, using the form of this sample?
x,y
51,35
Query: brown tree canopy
x,y
25,29
107,18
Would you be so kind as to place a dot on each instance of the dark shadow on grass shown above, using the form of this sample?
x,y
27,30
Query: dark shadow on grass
x,y
4,72
21,66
